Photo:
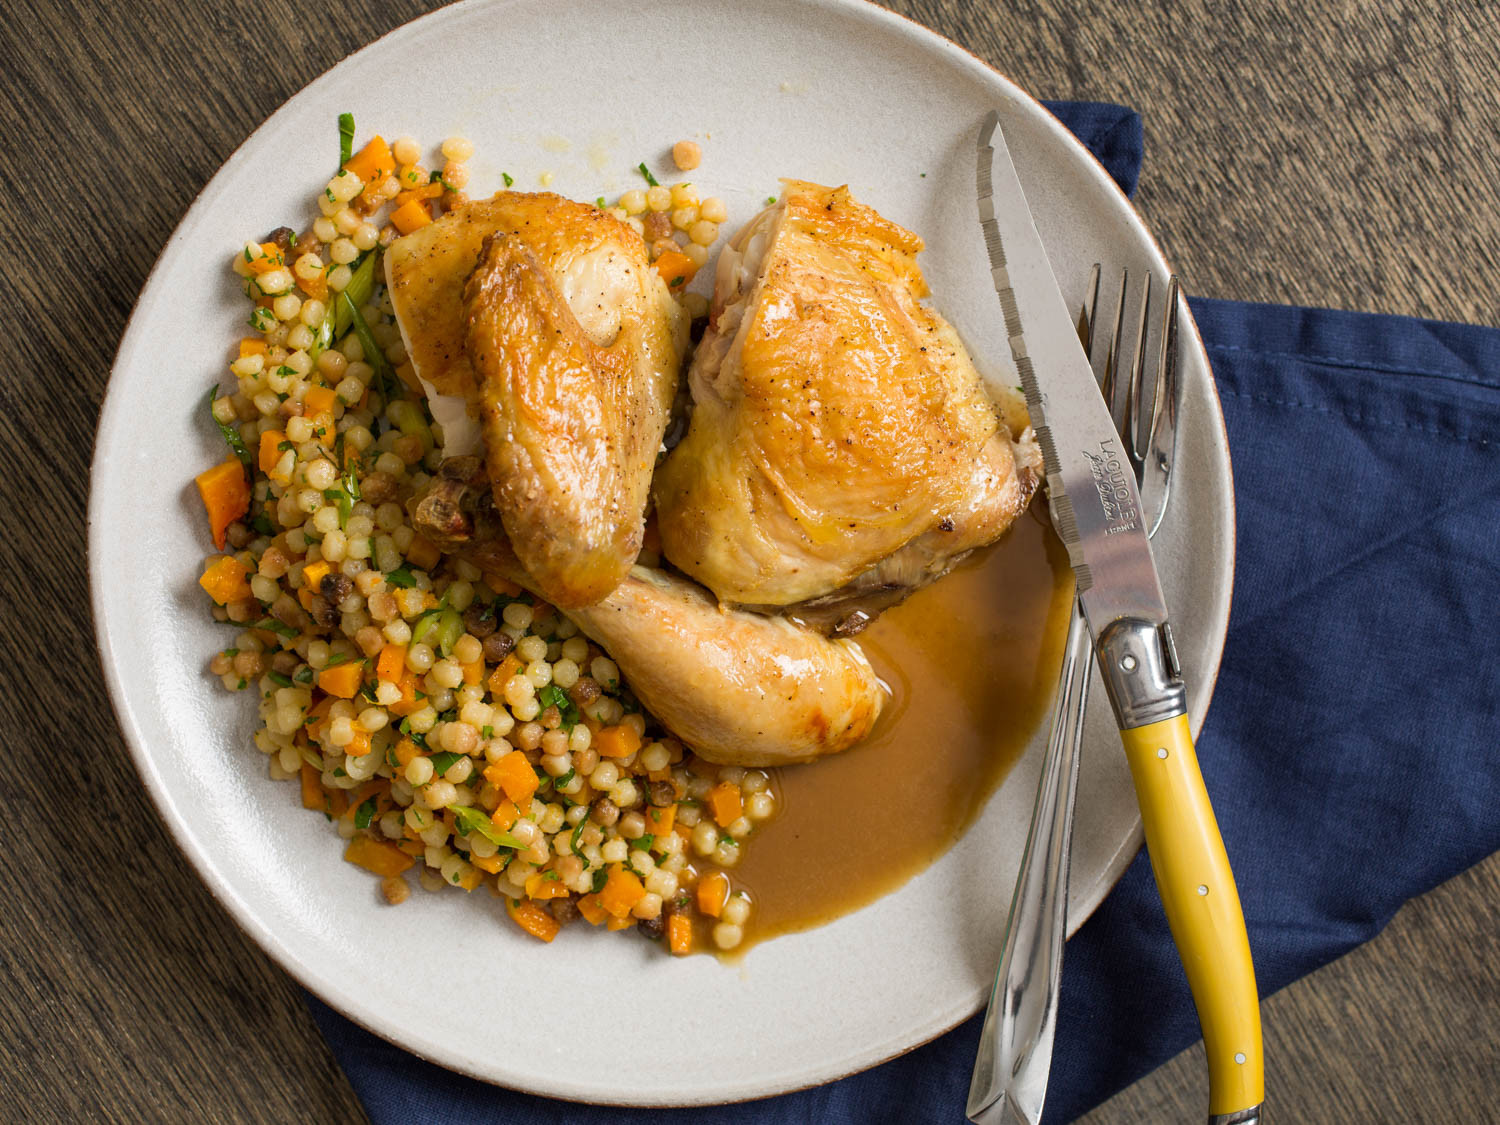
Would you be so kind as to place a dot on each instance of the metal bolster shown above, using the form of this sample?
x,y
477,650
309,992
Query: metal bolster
x,y
1249,1116
1138,662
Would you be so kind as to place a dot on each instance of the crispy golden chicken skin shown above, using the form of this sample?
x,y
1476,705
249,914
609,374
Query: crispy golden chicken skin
x,y
739,688
841,440
546,318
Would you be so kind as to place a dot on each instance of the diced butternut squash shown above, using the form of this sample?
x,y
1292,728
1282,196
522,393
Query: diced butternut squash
x,y
314,573
493,864
372,162
724,802
659,821
226,579
377,856
411,216
473,672
513,774
676,269
341,680
618,741
505,815
320,400
252,345
713,893
679,934
622,890
502,673
268,453
592,912
532,918
312,788
545,886
391,663
226,496
408,703
613,923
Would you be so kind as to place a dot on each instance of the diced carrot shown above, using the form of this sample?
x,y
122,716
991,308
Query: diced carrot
x,y
503,672
314,573
319,399
724,801
226,496
532,918
406,750
315,286
493,864
317,717
619,741
679,934
613,923
676,269
505,815
377,856
410,216
622,890
422,553
359,745
659,820
502,585
412,847
390,663
513,773
713,893
374,161
592,912
426,191
270,453
226,579
312,788
473,671
252,345
540,885
408,703
269,258
341,680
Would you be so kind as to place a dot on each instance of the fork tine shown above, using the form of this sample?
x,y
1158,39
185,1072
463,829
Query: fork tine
x,y
1162,443
1131,434
1088,318
1110,386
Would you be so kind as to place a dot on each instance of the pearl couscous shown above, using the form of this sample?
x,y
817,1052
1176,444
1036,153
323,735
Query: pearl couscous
x,y
445,722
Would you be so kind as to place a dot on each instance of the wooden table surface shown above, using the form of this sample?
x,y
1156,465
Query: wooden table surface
x,y
1324,152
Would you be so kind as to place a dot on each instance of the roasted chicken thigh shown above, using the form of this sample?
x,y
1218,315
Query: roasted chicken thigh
x,y
841,441
739,688
545,320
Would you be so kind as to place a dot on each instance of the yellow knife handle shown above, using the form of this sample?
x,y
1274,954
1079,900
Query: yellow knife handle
x,y
1202,906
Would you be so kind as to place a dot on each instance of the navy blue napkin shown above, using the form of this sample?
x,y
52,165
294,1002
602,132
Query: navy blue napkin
x,y
1349,750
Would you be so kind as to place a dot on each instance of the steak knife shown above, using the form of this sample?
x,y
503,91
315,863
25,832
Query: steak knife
x,y
1096,511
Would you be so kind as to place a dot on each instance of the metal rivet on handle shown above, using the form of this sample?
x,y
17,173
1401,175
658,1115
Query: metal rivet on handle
x,y
1127,662
1161,752
1202,890
1239,1056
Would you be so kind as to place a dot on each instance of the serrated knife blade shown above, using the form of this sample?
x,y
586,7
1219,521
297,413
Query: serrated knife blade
x,y
1096,506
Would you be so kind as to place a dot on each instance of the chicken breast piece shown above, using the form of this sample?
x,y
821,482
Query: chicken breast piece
x,y
738,688
841,441
545,319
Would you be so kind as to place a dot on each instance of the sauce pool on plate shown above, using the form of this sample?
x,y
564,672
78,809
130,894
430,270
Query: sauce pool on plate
x,y
972,662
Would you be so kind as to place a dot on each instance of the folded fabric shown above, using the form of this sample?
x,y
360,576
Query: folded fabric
x,y
1349,747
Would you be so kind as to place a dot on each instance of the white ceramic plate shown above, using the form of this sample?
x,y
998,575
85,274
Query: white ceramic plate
x,y
830,90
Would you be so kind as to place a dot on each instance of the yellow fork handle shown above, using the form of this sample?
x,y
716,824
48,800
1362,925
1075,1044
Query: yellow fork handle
x,y
1202,906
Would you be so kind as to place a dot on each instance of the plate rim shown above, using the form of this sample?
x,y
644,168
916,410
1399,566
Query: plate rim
x,y
242,912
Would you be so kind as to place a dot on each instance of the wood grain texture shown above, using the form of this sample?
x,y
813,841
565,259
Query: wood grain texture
x,y
1331,153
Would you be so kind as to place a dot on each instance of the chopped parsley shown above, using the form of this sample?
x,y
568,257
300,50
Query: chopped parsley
x,y
599,203
643,843
554,696
506,177
345,505
271,625
472,820
279,679
303,675
600,878
231,436
577,835
364,814
442,761
401,576
559,782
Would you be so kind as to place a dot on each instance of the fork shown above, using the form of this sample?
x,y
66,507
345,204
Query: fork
x,y
1009,1083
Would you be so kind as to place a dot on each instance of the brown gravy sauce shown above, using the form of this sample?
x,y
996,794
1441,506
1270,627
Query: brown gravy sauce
x,y
972,661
